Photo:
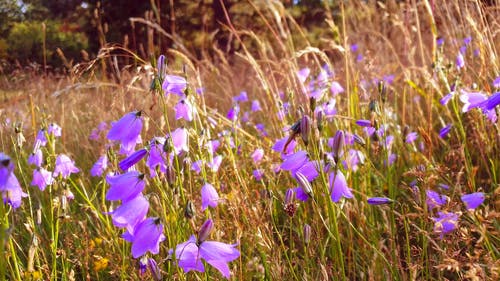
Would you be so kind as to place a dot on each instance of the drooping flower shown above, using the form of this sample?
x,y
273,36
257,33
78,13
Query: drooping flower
x,y
303,74
411,137
54,129
127,130
147,236
189,254
41,138
294,161
256,106
157,156
338,186
174,84
242,97
184,109
258,174
473,200
130,213
196,166
125,186
42,178
209,196
99,166
179,139
284,145
435,199
36,158
257,155
65,166
233,112
336,88
10,188
445,223
12,193
214,164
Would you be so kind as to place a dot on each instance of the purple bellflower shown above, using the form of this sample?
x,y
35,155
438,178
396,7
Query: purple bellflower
x,y
184,110
473,200
338,186
156,158
130,213
189,254
435,199
214,164
174,84
445,223
209,196
303,74
125,186
65,166
54,129
42,178
36,158
257,155
242,97
147,236
9,185
258,174
256,106
492,101
496,82
99,166
179,139
127,130
336,88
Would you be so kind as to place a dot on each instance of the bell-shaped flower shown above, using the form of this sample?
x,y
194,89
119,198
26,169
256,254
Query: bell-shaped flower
x,y
130,213
256,106
214,164
189,255
445,223
156,157
42,178
36,158
125,186
65,166
184,109
12,193
173,84
54,129
257,155
146,236
473,200
338,186
99,166
179,139
127,129
435,199
209,196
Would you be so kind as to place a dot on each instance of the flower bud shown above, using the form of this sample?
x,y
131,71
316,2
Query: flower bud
x,y
307,233
155,270
205,230
304,183
305,128
379,201
338,144
189,210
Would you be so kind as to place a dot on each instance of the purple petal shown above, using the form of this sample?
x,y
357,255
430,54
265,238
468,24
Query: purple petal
x,y
209,196
473,200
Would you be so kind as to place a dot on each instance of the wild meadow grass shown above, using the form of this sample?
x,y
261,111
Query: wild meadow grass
x,y
372,156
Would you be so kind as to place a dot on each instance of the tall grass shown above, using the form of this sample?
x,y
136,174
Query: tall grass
x,y
50,238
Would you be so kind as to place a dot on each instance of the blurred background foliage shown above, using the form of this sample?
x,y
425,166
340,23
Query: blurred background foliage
x,y
81,28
